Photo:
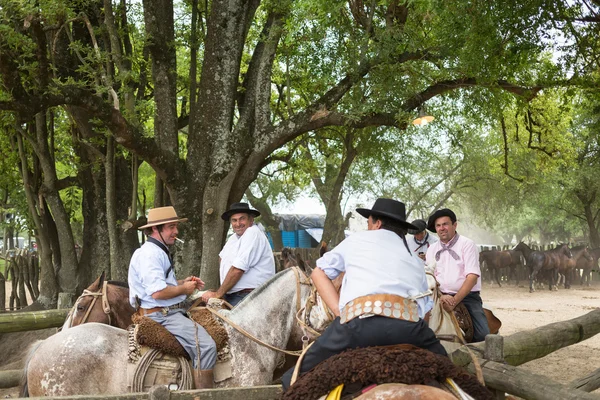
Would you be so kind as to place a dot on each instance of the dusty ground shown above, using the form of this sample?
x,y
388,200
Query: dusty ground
x,y
515,306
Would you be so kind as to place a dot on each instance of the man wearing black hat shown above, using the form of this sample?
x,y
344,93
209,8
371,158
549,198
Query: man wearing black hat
x,y
384,295
246,259
421,240
456,260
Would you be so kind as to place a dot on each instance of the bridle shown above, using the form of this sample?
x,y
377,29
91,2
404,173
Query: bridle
x,y
105,304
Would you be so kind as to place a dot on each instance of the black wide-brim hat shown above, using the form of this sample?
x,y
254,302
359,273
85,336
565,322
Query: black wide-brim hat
x,y
237,208
444,212
389,208
420,224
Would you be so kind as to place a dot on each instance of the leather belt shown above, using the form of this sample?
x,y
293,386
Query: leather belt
x,y
385,305
164,310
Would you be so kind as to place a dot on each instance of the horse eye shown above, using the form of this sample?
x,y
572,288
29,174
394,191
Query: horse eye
x,y
80,308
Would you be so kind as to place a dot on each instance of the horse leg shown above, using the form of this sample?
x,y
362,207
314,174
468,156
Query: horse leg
x,y
532,274
496,272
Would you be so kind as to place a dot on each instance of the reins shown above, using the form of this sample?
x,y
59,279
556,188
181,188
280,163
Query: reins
x,y
244,332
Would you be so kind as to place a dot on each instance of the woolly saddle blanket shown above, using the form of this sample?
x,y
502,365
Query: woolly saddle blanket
x,y
360,368
172,362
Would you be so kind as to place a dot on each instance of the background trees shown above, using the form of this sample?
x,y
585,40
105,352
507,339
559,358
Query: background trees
x,y
207,92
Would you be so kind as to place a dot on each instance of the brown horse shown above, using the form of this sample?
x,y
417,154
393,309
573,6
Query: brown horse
x,y
567,268
548,261
495,260
103,302
586,266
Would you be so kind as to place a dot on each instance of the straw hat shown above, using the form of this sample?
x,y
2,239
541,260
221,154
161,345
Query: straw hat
x,y
162,215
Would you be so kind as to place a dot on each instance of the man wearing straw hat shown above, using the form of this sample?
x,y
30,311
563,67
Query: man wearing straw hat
x,y
152,282
384,296
246,259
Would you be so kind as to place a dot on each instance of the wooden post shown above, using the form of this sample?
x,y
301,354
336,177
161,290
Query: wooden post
x,y
588,383
527,385
494,351
532,344
159,392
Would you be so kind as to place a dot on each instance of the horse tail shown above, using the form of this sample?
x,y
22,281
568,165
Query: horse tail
x,y
24,392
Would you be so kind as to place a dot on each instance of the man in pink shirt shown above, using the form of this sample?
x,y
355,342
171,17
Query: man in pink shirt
x,y
457,269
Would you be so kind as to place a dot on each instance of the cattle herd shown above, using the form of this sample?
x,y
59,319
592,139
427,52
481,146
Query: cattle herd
x,y
552,266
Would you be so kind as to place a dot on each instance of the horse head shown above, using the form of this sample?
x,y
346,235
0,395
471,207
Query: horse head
x,y
564,250
268,314
288,258
106,302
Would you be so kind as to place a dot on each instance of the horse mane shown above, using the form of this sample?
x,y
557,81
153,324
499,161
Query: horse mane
x,y
256,292
119,283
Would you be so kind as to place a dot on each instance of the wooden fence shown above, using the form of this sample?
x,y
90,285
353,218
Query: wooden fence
x,y
498,356
22,270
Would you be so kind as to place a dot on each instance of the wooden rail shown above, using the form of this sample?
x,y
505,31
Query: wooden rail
x,y
271,392
532,344
32,320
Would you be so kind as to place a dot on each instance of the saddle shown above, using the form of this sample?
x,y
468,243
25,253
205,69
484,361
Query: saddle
x,y
157,358
360,368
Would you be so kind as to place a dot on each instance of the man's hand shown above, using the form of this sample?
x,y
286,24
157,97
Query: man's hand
x,y
189,287
208,295
448,302
199,282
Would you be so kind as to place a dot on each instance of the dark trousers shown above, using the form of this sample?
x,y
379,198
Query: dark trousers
x,y
366,332
475,307
235,298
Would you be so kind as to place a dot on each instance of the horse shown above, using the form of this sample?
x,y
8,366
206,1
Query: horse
x,y
586,266
496,260
567,268
112,309
548,260
92,358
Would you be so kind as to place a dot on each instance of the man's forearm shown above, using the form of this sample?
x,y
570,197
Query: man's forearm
x,y
326,290
232,277
465,289
169,292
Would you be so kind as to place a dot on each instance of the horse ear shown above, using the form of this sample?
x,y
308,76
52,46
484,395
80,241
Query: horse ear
x,y
101,280
323,249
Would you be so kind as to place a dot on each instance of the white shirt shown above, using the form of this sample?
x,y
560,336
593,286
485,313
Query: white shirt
x,y
416,248
251,253
376,262
147,270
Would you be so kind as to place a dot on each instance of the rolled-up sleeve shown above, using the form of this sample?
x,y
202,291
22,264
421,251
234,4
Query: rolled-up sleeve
x,y
332,264
471,259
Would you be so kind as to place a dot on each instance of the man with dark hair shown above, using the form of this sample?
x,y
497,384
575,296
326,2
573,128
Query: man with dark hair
x,y
384,295
421,240
456,260
152,282
246,259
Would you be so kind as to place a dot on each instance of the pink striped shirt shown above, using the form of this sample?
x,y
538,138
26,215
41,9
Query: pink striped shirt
x,y
451,273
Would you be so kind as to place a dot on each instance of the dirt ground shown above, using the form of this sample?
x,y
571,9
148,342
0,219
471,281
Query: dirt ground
x,y
517,308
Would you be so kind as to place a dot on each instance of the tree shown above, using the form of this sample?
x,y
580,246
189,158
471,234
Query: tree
x,y
333,63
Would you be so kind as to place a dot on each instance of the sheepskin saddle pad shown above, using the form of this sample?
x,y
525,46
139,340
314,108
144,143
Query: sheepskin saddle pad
x,y
360,368
150,333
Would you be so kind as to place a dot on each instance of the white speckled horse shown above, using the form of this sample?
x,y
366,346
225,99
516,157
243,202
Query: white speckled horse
x,y
92,358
